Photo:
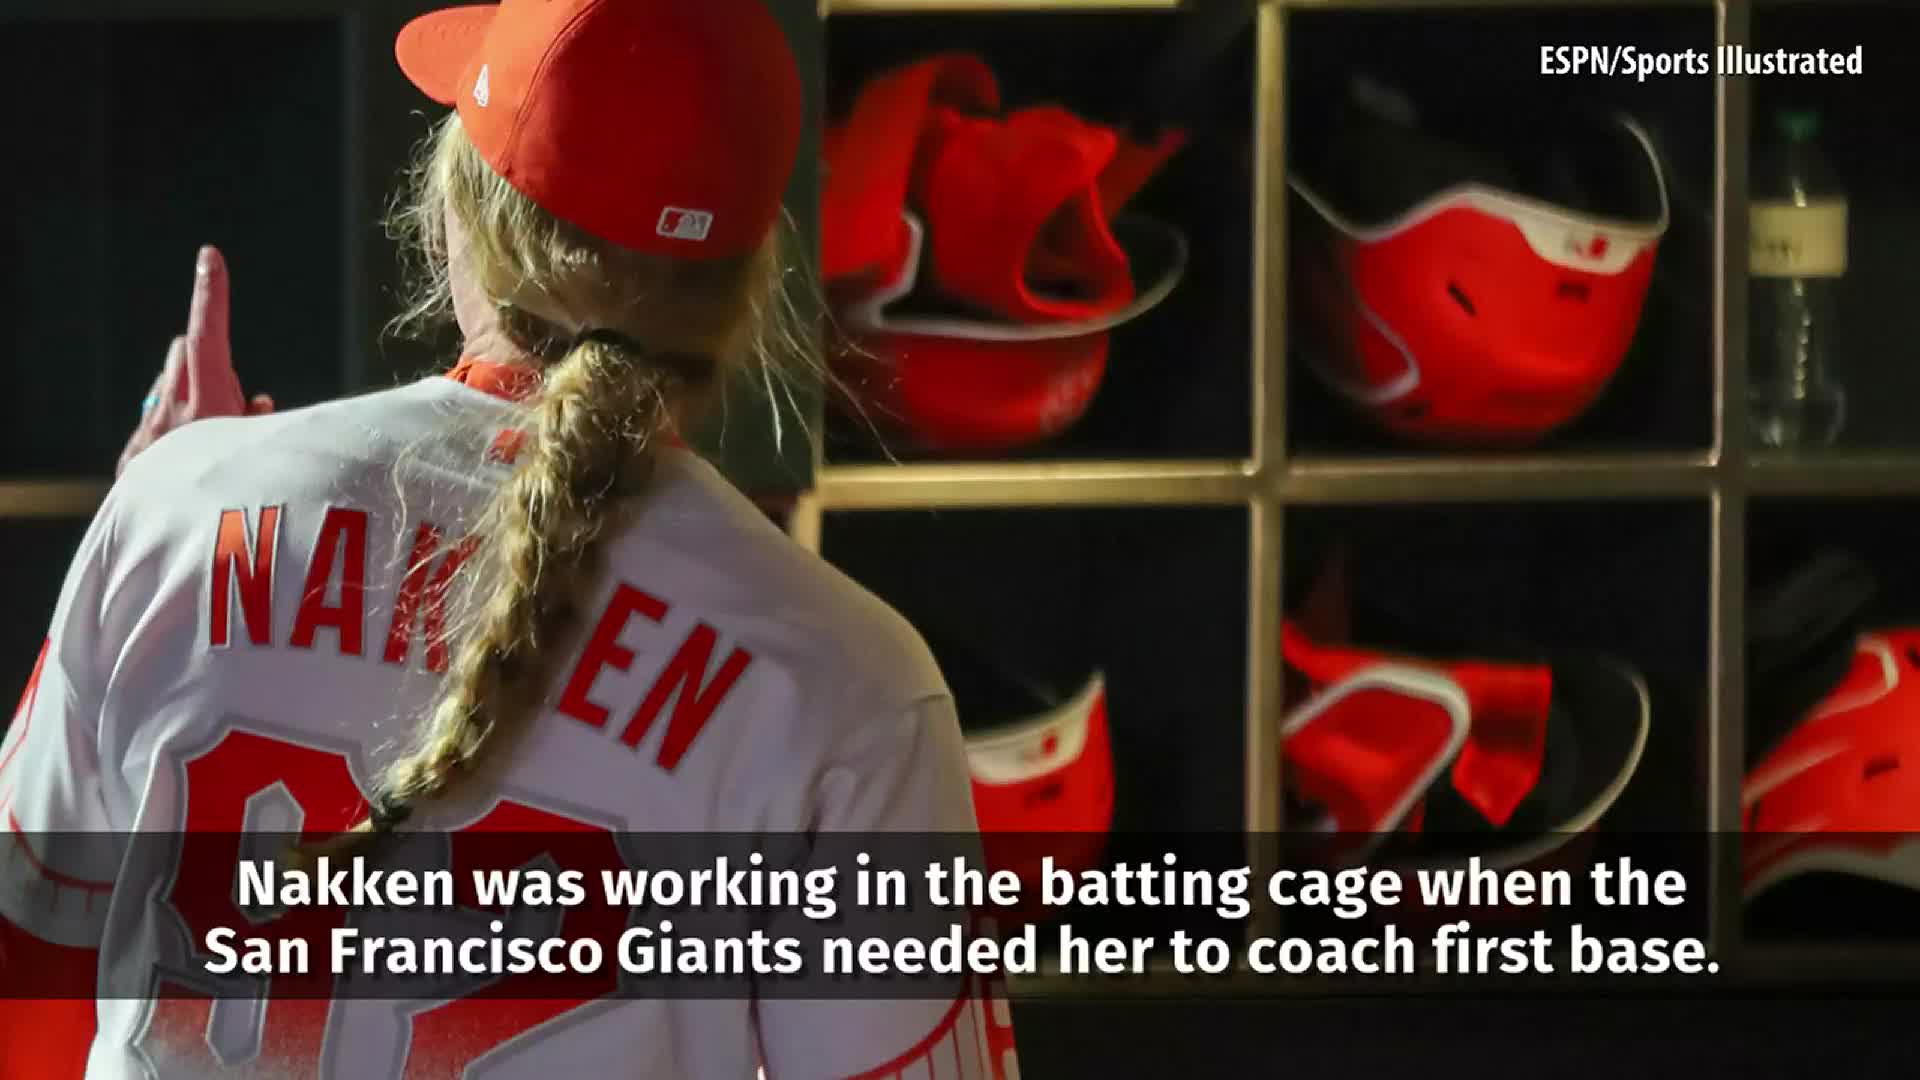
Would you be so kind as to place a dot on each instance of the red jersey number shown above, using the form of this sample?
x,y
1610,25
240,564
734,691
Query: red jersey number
x,y
250,782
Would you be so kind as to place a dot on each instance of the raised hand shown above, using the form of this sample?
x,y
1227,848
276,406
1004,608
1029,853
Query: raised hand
x,y
198,380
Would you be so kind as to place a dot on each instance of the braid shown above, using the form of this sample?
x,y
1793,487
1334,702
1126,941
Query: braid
x,y
595,417
603,398
538,548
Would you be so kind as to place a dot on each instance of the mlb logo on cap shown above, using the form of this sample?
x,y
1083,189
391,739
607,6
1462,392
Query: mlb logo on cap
x,y
679,224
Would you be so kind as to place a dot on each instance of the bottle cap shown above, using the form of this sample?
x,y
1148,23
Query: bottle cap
x,y
1798,125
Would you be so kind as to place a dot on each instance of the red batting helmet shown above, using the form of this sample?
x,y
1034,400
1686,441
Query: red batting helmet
x,y
1479,294
977,261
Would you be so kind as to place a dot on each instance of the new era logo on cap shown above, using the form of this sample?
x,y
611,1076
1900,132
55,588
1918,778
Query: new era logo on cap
x,y
480,93
677,223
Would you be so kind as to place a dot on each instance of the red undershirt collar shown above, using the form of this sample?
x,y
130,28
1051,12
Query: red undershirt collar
x,y
511,382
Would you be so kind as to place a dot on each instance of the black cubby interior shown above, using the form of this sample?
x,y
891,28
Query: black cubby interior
x,y
1661,398
1177,381
1785,535
1156,599
1505,581
149,139
1533,583
1873,145
38,553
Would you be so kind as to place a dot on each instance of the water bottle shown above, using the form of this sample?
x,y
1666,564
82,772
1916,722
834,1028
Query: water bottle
x,y
1798,234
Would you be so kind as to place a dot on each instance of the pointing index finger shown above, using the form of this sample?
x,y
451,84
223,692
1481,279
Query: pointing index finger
x,y
209,362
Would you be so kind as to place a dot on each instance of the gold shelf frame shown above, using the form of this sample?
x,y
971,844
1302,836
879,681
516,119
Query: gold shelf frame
x,y
1719,478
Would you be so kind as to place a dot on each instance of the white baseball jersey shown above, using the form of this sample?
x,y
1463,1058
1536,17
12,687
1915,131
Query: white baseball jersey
x,y
248,630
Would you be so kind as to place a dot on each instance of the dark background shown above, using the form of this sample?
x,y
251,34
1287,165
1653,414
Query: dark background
x,y
148,139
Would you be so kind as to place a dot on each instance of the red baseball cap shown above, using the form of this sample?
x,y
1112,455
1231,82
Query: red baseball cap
x,y
668,126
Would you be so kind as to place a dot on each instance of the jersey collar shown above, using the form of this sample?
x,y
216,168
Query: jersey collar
x,y
511,382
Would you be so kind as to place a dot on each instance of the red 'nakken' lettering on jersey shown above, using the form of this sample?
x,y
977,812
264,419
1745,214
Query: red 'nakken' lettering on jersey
x,y
505,447
333,597
250,574
334,594
343,539
695,703
429,581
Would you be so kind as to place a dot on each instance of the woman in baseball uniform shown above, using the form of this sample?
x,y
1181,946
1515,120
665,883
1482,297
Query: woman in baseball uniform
x,y
502,598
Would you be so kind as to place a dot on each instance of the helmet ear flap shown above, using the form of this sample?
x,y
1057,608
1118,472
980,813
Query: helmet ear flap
x,y
1381,159
1831,808
1800,642
1599,165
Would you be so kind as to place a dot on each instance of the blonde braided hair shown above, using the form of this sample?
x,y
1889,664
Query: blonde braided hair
x,y
666,334
596,414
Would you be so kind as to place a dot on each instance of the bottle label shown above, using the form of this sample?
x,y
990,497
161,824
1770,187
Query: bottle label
x,y
1787,240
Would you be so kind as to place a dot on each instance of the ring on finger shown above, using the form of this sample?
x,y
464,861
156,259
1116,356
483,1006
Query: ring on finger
x,y
148,405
